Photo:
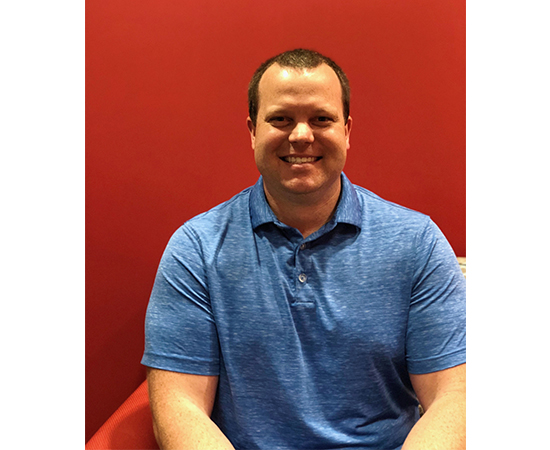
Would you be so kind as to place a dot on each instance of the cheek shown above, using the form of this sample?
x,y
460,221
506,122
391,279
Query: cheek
x,y
269,141
261,157
337,141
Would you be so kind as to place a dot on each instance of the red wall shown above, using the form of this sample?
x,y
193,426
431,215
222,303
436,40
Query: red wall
x,y
166,136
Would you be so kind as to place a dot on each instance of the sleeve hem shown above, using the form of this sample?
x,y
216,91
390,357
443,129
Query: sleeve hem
x,y
181,365
438,363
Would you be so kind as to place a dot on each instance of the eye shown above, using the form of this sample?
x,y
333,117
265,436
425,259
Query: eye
x,y
323,120
279,121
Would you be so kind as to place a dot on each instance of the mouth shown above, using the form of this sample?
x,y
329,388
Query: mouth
x,y
300,159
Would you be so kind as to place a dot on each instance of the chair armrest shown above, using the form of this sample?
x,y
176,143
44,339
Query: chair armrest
x,y
130,426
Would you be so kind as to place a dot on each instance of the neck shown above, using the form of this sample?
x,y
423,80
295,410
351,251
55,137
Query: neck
x,y
305,212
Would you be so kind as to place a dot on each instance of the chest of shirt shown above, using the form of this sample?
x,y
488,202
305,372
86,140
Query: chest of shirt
x,y
336,295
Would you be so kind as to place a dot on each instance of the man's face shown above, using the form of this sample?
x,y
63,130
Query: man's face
x,y
300,139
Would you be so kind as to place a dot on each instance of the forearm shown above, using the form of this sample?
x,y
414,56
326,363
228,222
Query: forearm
x,y
443,425
182,425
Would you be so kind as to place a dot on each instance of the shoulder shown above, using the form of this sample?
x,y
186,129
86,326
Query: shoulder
x,y
397,225
223,212
378,212
208,227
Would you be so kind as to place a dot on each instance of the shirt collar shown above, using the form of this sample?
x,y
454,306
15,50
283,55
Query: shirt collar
x,y
260,211
348,210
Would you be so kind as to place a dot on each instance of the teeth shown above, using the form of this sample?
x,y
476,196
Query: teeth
x,y
298,160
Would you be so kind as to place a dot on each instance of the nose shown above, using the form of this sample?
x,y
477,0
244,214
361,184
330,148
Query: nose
x,y
301,134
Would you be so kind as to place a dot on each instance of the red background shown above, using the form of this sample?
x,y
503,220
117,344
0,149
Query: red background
x,y
166,135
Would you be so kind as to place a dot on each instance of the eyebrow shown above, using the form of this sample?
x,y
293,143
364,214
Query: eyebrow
x,y
286,110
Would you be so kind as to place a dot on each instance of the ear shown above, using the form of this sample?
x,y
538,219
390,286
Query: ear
x,y
348,131
252,130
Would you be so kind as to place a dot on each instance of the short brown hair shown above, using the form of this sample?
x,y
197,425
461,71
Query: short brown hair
x,y
298,59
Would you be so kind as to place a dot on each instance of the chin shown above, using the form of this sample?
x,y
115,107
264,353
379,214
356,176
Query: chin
x,y
303,186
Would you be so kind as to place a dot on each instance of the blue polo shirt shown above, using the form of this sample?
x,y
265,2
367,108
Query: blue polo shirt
x,y
312,339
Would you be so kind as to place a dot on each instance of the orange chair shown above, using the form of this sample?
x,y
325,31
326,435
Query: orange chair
x,y
130,426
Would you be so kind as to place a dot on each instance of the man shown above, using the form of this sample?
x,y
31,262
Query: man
x,y
306,312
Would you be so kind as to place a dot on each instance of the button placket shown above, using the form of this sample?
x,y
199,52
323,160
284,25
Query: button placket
x,y
300,267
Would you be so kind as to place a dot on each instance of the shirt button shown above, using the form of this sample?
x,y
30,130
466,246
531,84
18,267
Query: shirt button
x,y
303,246
302,277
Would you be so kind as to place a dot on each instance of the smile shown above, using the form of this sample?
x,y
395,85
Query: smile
x,y
300,160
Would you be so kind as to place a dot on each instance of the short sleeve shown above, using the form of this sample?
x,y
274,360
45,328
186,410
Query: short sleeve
x,y
436,333
180,331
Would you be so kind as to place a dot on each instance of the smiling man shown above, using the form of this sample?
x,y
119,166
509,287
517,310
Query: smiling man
x,y
306,312
300,139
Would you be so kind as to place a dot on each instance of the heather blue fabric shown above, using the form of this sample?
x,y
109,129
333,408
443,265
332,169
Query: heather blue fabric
x,y
313,339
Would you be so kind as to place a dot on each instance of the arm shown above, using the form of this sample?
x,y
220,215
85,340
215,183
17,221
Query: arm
x,y
443,397
181,405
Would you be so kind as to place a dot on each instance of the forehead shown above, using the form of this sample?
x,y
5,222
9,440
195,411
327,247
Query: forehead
x,y
279,83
